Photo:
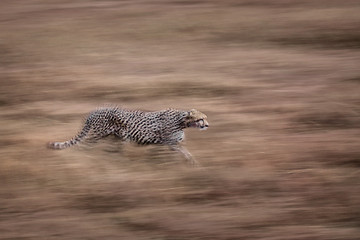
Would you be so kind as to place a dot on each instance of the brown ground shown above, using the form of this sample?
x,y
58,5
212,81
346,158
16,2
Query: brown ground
x,y
279,81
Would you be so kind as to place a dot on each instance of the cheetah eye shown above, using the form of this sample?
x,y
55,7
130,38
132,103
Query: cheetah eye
x,y
200,121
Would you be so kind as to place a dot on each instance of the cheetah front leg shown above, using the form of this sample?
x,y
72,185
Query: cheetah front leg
x,y
186,154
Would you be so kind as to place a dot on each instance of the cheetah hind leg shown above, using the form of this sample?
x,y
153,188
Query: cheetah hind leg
x,y
186,153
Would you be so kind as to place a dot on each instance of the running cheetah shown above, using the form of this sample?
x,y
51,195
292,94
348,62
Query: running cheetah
x,y
162,127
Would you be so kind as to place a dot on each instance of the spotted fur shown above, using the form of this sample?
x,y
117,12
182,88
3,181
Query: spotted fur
x,y
164,127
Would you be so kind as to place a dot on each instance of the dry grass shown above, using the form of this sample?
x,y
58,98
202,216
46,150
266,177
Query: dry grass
x,y
279,81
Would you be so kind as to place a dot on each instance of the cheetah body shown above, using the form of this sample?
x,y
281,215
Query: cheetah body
x,y
164,127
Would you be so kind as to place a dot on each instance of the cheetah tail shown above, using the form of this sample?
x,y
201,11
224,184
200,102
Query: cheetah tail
x,y
75,140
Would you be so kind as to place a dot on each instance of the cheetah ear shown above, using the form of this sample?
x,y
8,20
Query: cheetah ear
x,y
189,114
192,113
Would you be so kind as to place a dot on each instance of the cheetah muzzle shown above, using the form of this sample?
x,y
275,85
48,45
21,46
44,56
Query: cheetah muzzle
x,y
164,127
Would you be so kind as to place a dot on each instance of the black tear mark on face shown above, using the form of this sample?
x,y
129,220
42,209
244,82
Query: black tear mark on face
x,y
200,123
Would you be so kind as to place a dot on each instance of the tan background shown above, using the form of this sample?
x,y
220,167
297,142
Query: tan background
x,y
279,81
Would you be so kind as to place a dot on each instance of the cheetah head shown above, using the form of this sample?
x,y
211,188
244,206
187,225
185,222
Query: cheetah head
x,y
196,119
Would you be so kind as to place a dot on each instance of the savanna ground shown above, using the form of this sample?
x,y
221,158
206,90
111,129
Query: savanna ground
x,y
279,81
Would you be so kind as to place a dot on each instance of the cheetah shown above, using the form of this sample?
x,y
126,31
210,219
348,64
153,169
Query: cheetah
x,y
165,127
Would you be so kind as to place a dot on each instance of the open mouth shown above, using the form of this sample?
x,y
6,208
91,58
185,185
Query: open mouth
x,y
204,127
201,124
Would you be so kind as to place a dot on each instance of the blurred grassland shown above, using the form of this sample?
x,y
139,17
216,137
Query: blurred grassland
x,y
279,81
